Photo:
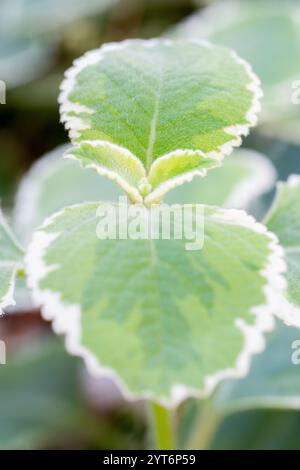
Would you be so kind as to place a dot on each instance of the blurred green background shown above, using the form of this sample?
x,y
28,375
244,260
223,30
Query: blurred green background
x,y
47,400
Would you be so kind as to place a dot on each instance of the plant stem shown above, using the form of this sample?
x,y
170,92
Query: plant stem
x,y
162,427
205,428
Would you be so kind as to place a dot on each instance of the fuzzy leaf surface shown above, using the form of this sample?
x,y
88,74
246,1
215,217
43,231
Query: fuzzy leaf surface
x,y
163,321
168,109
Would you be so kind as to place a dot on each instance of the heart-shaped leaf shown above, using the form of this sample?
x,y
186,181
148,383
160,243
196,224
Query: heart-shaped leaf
x,y
152,114
165,322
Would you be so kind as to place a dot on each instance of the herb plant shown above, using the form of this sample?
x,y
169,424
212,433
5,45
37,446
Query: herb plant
x,y
165,323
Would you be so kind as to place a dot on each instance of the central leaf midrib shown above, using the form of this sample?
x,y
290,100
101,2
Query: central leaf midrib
x,y
153,125
162,331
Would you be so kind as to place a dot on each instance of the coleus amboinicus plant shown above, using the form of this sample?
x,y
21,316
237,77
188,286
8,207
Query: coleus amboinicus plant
x,y
164,322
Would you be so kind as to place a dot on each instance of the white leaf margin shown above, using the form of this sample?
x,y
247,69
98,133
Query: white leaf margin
x,y
249,188
132,192
289,312
158,193
29,189
8,300
65,318
74,124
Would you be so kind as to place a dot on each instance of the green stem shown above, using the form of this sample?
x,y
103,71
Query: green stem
x,y
163,427
205,428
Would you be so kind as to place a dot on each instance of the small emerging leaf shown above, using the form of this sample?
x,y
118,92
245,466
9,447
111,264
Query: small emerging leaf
x,y
166,322
152,114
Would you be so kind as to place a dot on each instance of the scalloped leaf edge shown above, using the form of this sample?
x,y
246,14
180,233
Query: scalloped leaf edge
x,y
65,317
74,124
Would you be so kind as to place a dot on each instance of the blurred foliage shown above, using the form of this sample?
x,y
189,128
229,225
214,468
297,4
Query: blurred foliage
x,y
29,122
43,398
260,411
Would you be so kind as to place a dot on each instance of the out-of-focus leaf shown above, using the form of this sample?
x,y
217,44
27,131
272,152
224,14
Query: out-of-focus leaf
x,y
39,398
244,176
29,30
259,430
11,256
53,183
273,380
284,220
22,59
39,16
285,129
264,32
273,383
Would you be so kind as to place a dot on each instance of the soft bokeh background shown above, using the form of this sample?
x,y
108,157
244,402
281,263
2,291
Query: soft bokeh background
x,y
47,400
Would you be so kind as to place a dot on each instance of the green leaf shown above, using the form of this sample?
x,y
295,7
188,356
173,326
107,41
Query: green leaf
x,y
243,177
51,184
168,110
284,220
11,255
258,31
164,321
